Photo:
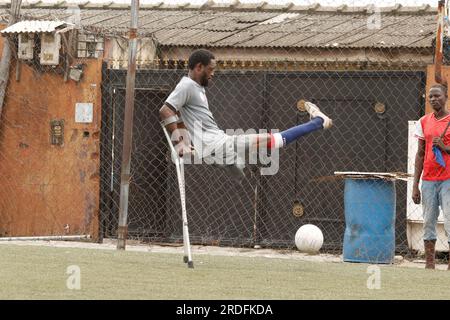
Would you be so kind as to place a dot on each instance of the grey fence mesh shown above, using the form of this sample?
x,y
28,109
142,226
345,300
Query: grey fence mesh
x,y
261,209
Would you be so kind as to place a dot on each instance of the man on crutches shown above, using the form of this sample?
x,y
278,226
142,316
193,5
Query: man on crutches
x,y
186,116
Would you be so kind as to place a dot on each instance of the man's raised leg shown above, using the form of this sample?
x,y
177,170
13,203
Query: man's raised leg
x,y
318,121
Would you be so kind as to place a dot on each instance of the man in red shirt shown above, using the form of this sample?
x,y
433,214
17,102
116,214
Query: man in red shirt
x,y
434,167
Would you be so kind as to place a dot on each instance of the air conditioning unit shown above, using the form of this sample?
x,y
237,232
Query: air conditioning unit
x,y
26,44
50,45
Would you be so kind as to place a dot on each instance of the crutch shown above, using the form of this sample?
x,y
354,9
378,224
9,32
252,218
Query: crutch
x,y
179,164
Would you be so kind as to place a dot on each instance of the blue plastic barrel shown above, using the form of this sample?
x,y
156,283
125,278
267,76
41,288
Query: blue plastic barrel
x,y
369,220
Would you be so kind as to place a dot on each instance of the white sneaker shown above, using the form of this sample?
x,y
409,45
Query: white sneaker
x,y
314,112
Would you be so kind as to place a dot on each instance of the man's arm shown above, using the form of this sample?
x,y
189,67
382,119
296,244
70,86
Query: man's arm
x,y
438,142
171,117
418,168
176,128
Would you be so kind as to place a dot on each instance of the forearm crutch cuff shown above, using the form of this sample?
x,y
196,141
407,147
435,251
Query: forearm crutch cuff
x,y
170,120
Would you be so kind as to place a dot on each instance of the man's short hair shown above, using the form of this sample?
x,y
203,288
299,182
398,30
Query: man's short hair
x,y
202,56
442,87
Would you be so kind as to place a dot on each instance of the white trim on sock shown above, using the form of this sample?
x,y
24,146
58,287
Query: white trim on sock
x,y
278,139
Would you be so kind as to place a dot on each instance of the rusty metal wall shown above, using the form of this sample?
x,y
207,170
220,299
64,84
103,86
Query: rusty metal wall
x,y
49,189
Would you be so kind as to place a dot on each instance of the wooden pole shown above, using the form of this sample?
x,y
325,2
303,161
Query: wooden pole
x,y
438,55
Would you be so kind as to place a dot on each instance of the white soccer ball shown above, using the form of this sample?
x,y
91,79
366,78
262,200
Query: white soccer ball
x,y
309,238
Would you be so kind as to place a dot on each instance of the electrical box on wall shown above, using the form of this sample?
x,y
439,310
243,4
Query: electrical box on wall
x,y
50,45
84,112
57,132
26,44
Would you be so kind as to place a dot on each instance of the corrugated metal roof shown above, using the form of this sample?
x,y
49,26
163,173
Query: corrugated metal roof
x,y
192,37
34,26
256,25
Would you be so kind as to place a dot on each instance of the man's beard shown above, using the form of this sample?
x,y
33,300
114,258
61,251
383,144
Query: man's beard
x,y
204,81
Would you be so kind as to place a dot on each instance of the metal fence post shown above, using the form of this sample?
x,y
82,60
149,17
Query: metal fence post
x,y
128,128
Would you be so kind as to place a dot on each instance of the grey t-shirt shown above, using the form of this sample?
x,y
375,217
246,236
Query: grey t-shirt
x,y
190,100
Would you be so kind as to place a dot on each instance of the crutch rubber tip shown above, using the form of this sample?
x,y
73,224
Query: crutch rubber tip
x,y
185,259
191,264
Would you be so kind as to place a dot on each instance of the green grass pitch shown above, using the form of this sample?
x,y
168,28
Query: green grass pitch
x,y
38,272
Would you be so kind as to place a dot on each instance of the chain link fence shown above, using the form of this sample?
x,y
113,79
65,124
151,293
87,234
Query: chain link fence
x,y
263,210
267,60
